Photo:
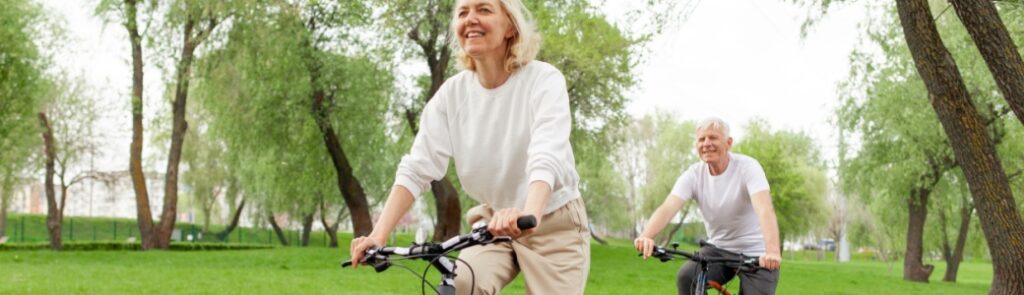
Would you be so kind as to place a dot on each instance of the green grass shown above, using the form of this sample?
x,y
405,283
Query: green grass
x,y
615,269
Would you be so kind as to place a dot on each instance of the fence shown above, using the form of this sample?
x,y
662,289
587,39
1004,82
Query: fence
x,y
31,228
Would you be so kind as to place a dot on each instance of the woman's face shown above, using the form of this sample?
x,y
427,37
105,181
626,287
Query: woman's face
x,y
483,28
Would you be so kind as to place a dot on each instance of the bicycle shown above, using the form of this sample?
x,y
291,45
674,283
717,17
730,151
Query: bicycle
x,y
438,254
744,263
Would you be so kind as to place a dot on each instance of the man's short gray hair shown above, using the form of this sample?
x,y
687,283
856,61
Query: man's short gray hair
x,y
714,123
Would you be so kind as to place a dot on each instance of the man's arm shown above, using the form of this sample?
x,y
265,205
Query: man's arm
x,y
762,202
661,217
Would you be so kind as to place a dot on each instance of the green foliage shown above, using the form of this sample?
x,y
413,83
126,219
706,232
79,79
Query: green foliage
x,y
597,59
259,91
602,188
796,174
891,143
671,153
23,83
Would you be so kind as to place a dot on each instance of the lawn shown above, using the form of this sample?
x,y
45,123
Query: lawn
x,y
615,270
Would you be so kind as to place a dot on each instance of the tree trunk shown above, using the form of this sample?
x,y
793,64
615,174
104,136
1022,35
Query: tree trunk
x,y
974,149
332,231
307,229
142,211
53,217
981,19
449,209
675,229
190,41
446,198
672,234
438,55
597,238
277,229
6,192
349,186
953,262
223,235
917,206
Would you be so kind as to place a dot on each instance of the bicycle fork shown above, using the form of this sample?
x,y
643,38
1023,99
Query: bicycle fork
x,y
447,269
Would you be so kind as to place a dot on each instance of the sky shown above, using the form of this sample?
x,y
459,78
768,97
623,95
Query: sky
x,y
745,59
734,59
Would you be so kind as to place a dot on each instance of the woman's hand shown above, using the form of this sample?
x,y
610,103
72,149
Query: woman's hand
x,y
358,248
503,223
644,245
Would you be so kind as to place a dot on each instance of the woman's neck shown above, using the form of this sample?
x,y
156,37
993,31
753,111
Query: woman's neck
x,y
491,71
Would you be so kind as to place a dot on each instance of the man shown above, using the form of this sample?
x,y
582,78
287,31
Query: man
x,y
731,191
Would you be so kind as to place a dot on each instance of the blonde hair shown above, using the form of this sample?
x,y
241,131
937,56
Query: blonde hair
x,y
714,123
522,47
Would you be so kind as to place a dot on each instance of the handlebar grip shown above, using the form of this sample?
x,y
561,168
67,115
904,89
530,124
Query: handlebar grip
x,y
346,263
526,222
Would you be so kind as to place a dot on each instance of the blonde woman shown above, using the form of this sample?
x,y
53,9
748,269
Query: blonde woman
x,y
505,121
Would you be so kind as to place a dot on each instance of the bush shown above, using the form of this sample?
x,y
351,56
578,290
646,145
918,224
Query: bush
x,y
124,246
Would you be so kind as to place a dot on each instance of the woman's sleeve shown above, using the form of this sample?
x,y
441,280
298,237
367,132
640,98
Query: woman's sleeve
x,y
549,155
428,159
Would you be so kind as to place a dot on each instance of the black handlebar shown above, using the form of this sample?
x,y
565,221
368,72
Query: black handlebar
x,y
526,222
666,254
479,235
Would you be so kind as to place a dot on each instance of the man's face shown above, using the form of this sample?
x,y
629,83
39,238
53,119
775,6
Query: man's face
x,y
712,145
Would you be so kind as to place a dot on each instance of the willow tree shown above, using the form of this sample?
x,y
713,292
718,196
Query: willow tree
x,y
974,148
796,173
22,87
292,68
191,22
671,153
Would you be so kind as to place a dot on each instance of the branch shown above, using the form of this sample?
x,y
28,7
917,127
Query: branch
x,y
211,24
1014,175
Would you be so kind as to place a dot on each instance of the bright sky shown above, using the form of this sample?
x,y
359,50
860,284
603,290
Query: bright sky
x,y
735,59
741,59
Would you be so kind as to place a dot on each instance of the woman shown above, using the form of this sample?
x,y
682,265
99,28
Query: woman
x,y
505,121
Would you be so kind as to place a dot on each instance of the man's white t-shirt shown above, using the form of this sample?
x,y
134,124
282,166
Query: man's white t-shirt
x,y
724,200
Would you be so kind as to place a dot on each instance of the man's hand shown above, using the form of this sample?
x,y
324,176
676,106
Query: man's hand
x,y
770,261
644,245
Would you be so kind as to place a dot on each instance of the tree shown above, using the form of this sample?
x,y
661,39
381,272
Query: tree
x,y
196,20
904,143
671,153
430,32
954,254
22,88
974,148
206,175
630,163
128,10
67,124
315,87
981,19
796,174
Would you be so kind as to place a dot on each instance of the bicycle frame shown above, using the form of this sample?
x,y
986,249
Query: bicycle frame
x,y
702,283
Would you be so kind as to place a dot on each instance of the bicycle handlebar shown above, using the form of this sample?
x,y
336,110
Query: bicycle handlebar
x,y
378,256
666,254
